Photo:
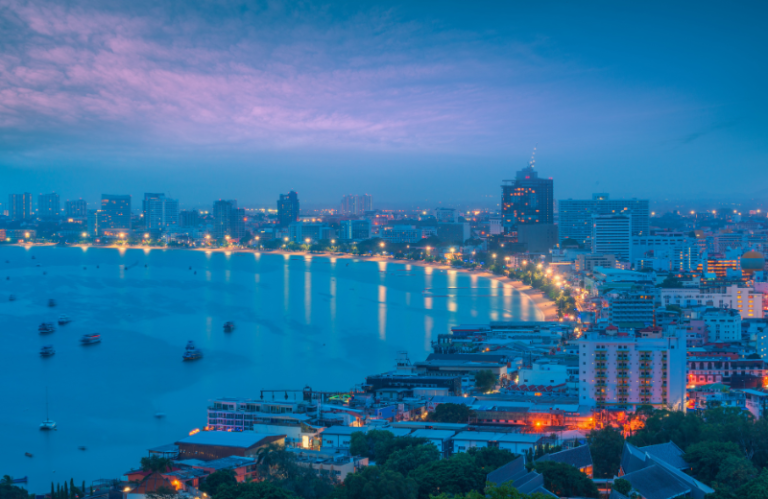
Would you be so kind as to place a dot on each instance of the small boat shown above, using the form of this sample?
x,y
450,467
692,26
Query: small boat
x,y
51,302
159,415
47,351
82,447
191,352
22,479
229,326
34,257
64,319
29,454
46,327
90,339
12,298
48,424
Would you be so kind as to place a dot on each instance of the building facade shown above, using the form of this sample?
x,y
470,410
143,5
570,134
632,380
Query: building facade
x,y
288,209
575,216
48,205
228,220
612,235
527,199
353,204
20,206
115,212
627,371
159,211
355,230
745,300
723,325
77,208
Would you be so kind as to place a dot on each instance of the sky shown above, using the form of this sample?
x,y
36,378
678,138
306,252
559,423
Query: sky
x,y
416,103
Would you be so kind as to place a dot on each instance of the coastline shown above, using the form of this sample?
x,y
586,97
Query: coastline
x,y
546,306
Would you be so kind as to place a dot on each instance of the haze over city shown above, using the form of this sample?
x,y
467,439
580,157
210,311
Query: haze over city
x,y
415,103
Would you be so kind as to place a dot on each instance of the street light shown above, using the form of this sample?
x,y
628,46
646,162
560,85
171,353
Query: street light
x,y
146,236
85,234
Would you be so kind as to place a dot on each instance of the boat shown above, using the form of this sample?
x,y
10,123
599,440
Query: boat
x,y
46,327
29,454
12,298
159,415
229,326
48,424
51,302
90,339
191,352
47,351
82,447
22,479
64,319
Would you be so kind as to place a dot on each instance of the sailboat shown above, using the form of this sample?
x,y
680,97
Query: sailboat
x,y
47,424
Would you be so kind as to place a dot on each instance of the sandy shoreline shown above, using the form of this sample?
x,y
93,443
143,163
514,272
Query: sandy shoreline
x,y
546,306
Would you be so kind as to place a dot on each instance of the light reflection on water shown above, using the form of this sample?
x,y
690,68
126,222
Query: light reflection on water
x,y
327,328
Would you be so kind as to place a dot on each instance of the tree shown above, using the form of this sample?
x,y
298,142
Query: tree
x,y
376,482
155,464
565,480
254,490
734,472
457,474
622,486
365,444
756,489
664,425
606,446
218,479
404,460
10,491
385,448
504,491
485,380
706,457
490,459
450,413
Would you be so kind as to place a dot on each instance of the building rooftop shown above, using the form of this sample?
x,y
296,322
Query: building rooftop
x,y
579,457
344,430
433,434
486,436
241,439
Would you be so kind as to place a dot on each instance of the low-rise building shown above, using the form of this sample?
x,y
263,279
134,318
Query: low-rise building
x,y
745,300
212,445
516,443
723,325
337,462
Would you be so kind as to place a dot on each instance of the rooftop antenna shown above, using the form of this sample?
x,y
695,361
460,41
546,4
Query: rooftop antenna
x,y
532,162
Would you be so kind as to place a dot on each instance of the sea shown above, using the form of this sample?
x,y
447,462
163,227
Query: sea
x,y
301,320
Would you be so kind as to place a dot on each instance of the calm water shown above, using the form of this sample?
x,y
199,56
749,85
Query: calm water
x,y
301,321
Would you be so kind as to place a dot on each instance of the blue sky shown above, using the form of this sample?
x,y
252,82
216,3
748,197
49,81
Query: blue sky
x,y
420,104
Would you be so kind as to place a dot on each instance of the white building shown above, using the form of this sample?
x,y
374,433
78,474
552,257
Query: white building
x,y
627,371
355,230
446,215
723,325
745,300
516,443
681,252
612,235
159,211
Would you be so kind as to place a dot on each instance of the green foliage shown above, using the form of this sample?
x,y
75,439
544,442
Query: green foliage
x,y
504,491
734,472
378,445
485,380
404,460
675,308
706,457
622,486
155,464
663,425
278,467
376,482
216,480
755,489
606,446
458,474
254,490
10,491
450,413
671,282
385,449
490,459
565,480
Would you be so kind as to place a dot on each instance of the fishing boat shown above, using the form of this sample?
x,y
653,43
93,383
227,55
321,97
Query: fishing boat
x,y
47,351
191,352
229,326
90,339
46,327
48,424
64,319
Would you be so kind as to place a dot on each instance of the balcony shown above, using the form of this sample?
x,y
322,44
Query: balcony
x,y
623,375
601,356
601,375
601,366
622,366
646,376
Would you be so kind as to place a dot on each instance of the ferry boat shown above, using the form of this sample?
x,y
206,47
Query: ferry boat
x,y
90,339
192,352
47,351
46,327
64,319
229,326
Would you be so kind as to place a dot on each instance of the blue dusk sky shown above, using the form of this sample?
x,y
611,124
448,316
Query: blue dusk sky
x,y
416,103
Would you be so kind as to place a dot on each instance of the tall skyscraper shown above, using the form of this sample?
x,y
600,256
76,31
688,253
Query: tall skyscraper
x,y
159,211
77,208
189,218
48,205
353,204
612,235
20,206
288,209
575,216
228,220
527,200
115,212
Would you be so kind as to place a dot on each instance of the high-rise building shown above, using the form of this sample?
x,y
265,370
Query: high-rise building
x,y
355,230
288,209
575,216
94,218
353,204
446,215
115,212
228,220
77,208
48,205
20,206
159,211
527,200
612,235
627,371
189,218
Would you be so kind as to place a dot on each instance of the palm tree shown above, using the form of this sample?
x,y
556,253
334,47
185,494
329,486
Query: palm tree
x,y
7,480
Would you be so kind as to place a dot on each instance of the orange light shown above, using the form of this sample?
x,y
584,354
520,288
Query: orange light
x,y
196,430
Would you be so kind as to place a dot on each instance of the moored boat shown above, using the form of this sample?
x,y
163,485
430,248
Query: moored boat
x,y
51,302
90,339
64,319
191,352
229,326
47,351
46,327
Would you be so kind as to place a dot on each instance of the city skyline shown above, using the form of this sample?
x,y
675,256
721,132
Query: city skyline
x,y
241,102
